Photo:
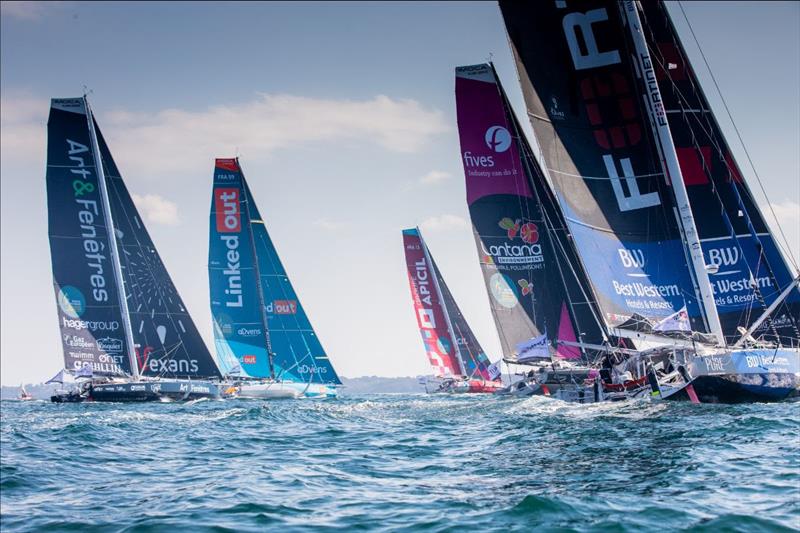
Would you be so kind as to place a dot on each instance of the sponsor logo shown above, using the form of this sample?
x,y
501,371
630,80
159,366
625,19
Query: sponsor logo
x,y
282,307
226,205
633,258
727,256
91,325
525,286
71,301
225,324
76,341
502,291
232,273
164,366
248,332
249,359
530,251
306,369
110,344
555,112
83,186
498,139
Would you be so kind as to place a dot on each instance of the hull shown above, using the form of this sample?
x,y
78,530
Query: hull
x,y
155,391
472,386
743,376
283,390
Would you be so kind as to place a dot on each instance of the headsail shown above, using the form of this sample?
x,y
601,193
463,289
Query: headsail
x,y
88,298
166,340
750,271
293,348
526,258
583,98
432,320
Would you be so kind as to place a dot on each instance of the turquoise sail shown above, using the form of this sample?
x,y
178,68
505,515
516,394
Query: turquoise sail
x,y
266,322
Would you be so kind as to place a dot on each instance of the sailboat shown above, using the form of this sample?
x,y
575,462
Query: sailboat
x,y
123,325
23,394
455,355
263,337
540,298
654,201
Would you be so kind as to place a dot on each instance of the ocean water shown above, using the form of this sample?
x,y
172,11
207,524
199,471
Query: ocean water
x,y
401,463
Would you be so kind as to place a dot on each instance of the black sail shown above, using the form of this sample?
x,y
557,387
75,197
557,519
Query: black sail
x,y
89,314
166,340
734,235
582,94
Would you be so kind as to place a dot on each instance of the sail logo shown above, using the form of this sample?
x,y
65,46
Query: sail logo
x,y
631,258
71,301
110,344
530,251
249,359
91,325
502,291
282,307
498,139
171,366
226,205
248,332
232,273
727,256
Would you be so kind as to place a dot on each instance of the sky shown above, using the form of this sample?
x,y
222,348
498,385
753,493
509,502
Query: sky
x,y
343,116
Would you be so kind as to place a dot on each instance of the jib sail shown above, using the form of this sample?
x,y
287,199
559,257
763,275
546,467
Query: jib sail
x,y
581,89
534,288
429,308
750,270
474,360
87,295
280,340
167,343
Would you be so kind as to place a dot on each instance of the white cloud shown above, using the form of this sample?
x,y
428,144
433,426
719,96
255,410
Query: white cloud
x,y
28,10
330,225
177,140
788,215
444,223
434,176
157,209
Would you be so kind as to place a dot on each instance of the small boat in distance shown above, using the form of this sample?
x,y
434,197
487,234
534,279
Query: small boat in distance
x,y
23,394
264,341
124,327
459,363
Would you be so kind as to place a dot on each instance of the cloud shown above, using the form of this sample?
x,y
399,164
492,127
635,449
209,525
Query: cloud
x,y
157,209
434,176
152,145
444,223
788,215
28,10
330,225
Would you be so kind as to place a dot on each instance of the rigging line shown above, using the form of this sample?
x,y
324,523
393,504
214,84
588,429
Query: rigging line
x,y
707,126
739,136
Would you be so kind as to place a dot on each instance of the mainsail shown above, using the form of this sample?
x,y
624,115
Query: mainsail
x,y
750,270
536,289
429,291
89,310
166,341
258,317
116,301
429,308
582,87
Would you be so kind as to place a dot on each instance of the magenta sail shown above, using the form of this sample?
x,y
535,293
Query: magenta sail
x,y
429,308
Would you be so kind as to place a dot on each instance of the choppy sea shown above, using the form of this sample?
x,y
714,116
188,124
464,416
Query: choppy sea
x,y
400,463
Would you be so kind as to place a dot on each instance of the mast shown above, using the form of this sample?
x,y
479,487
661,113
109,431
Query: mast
x,y
450,330
669,159
114,252
259,289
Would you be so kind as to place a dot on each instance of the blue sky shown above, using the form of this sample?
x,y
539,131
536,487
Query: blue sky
x,y
343,115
